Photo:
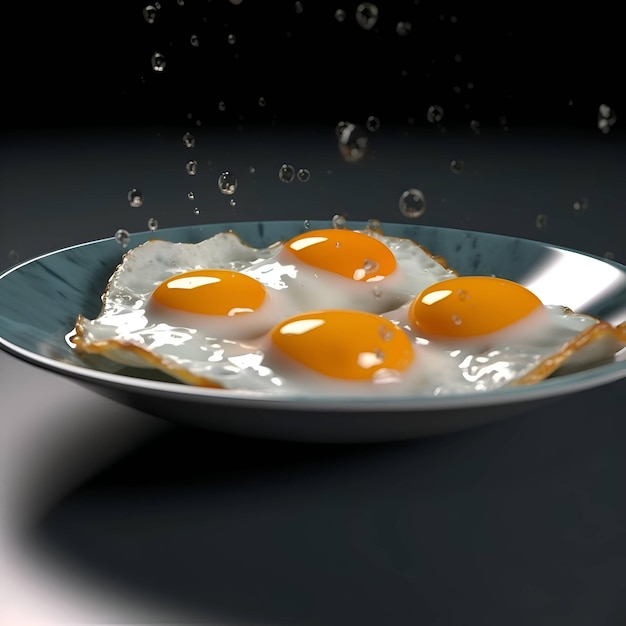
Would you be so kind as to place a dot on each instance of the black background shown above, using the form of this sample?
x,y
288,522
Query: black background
x,y
528,63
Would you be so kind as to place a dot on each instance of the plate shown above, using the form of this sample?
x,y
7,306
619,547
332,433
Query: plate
x,y
40,299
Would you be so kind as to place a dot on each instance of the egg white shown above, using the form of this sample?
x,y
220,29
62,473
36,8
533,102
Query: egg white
x,y
127,332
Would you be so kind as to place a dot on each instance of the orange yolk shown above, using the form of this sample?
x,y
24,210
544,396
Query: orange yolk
x,y
470,306
345,252
211,292
349,345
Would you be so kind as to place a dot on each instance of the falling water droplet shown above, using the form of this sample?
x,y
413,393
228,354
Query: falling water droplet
x,y
609,255
374,225
158,62
221,105
122,236
434,114
231,39
475,126
456,166
227,183
606,118
135,197
196,211
353,141
14,256
340,15
339,221
149,13
403,28
412,203
252,169
298,7
307,224
541,221
366,15
377,294
303,175
372,123
191,195
262,101
153,223
581,205
189,140
191,167
232,202
286,173
456,320
194,40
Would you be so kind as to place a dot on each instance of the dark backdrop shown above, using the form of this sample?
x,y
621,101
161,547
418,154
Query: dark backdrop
x,y
524,63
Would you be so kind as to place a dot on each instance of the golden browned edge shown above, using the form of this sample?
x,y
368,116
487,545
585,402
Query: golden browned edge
x,y
550,364
103,346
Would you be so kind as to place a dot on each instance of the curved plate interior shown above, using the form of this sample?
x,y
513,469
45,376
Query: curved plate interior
x,y
39,301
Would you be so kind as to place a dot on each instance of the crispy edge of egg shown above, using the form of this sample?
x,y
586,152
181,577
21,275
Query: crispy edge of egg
x,y
600,331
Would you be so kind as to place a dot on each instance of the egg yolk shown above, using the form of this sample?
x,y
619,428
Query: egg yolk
x,y
471,306
349,345
211,292
348,253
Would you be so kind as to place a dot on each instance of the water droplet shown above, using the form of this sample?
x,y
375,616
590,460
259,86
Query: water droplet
x,y
581,205
403,28
541,221
475,126
196,211
380,355
236,2
149,13
231,39
339,221
232,202
153,223
299,8
340,15
135,197
609,255
372,123
194,41
122,236
456,320
434,114
14,256
286,173
456,166
262,102
606,118
252,169
366,15
377,294
180,3
384,333
227,183
353,141
412,203
158,62
303,175
191,167
370,266
189,140
462,294
221,105
458,58
191,195
374,225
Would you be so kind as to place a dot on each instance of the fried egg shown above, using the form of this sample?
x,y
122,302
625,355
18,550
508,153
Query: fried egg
x,y
479,333
331,311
